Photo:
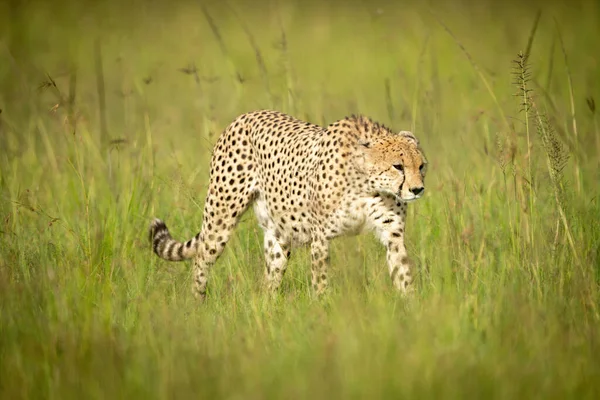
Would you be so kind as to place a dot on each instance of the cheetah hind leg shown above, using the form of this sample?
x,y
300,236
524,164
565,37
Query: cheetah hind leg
x,y
319,249
219,223
277,253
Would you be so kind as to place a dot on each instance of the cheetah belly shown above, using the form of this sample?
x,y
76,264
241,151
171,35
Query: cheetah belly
x,y
347,220
291,227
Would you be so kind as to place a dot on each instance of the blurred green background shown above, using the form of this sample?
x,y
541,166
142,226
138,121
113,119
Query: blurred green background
x,y
108,114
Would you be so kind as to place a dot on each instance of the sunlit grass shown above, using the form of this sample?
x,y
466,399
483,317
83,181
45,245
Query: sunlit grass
x,y
506,254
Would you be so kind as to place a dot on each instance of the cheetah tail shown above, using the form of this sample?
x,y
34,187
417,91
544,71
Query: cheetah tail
x,y
168,248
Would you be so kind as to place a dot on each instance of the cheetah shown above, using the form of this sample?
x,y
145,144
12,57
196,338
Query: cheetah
x,y
307,184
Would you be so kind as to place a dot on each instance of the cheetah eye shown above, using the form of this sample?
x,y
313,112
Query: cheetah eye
x,y
399,167
421,167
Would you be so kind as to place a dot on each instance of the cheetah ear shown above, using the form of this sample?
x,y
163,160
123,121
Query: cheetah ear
x,y
409,135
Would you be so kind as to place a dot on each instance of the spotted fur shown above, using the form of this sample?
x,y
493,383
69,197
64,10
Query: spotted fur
x,y
308,185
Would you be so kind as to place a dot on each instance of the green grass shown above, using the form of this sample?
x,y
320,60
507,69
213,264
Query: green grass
x,y
505,242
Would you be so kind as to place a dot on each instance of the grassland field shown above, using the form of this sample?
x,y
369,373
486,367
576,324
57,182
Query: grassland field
x,y
108,114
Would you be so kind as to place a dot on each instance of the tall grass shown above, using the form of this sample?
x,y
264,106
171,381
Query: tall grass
x,y
109,114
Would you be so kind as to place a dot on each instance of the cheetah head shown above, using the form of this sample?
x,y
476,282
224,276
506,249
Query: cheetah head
x,y
393,164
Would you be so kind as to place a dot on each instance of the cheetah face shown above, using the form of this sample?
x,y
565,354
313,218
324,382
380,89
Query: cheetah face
x,y
394,165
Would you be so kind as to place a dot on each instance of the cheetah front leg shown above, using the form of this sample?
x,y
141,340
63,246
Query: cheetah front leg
x,y
387,216
398,264
319,251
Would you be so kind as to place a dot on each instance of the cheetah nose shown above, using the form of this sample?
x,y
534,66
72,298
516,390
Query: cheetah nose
x,y
417,190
